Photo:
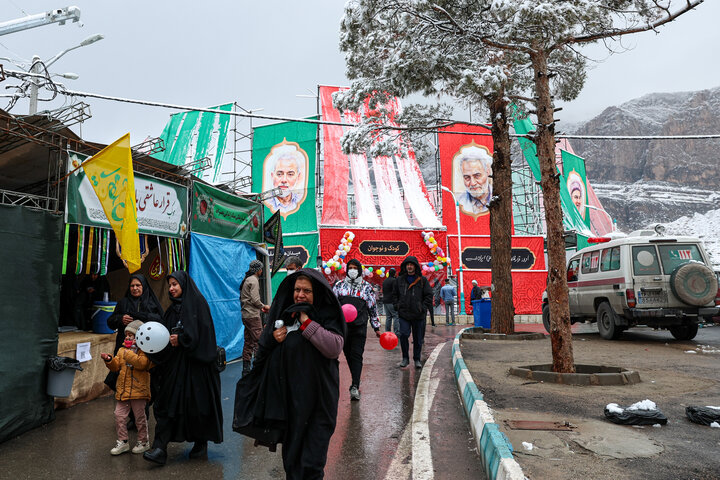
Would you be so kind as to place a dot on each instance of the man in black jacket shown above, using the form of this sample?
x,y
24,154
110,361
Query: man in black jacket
x,y
412,298
388,286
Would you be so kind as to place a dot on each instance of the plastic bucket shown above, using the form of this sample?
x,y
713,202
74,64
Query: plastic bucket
x,y
61,374
60,383
100,315
481,312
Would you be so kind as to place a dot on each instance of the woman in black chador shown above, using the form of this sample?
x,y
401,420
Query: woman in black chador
x,y
139,303
187,405
291,396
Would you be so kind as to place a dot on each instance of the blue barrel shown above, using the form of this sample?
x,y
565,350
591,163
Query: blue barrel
x,y
481,312
100,315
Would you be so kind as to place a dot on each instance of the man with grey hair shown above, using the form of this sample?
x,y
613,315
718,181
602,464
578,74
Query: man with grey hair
x,y
293,263
286,174
475,164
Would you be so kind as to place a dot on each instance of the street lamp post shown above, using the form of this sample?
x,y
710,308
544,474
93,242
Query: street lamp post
x,y
460,268
35,69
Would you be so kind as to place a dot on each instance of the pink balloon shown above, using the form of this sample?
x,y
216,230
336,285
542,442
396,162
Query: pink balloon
x,y
388,340
350,312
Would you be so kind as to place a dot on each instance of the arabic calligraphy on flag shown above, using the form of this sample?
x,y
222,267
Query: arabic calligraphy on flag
x,y
111,176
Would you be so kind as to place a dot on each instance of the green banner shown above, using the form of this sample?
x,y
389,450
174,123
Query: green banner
x,y
572,220
161,205
191,136
283,157
303,245
576,182
223,215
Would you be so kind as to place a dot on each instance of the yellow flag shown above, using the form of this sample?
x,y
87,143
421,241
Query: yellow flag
x,y
111,175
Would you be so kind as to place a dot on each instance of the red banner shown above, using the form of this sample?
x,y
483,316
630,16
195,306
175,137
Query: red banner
x,y
379,248
466,160
529,273
527,252
528,287
335,201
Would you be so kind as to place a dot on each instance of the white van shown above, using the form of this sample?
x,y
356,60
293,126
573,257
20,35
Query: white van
x,y
646,278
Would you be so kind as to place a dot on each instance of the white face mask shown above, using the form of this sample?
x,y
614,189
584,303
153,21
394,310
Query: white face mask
x,y
352,273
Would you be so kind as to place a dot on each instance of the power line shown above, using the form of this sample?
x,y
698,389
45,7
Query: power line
x,y
396,128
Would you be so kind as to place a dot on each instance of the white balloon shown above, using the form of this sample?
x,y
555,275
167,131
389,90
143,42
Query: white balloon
x,y
152,337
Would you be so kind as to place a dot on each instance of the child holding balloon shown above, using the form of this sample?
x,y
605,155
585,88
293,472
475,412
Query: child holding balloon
x,y
132,391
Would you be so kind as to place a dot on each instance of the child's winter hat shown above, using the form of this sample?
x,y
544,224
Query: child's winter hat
x,y
133,326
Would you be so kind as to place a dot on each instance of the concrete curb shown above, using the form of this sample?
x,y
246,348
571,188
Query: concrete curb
x,y
494,447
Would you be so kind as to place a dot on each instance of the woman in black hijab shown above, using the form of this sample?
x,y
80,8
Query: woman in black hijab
x,y
294,387
139,303
187,405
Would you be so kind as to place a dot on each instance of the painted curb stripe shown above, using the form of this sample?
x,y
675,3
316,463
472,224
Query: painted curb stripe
x,y
493,446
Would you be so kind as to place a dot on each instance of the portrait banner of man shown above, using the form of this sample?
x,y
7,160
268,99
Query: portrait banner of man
x,y
285,168
472,179
576,187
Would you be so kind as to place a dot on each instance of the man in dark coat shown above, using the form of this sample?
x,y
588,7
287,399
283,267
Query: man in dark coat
x,y
476,292
388,286
412,298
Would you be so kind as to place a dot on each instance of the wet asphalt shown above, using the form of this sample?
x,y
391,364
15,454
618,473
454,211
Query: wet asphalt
x,y
374,437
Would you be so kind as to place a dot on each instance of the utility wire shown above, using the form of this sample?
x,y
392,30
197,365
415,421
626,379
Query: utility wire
x,y
324,122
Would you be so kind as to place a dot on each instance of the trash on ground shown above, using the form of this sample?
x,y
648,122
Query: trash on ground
x,y
641,413
703,415
527,446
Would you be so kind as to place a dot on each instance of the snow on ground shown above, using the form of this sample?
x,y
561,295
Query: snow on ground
x,y
704,226
643,405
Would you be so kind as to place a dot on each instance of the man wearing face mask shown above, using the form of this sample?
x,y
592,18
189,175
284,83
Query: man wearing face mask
x,y
292,264
359,293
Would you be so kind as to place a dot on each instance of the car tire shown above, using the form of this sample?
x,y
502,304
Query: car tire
x,y
546,317
607,326
694,284
684,332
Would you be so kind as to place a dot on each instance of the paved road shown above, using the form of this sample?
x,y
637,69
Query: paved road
x,y
408,424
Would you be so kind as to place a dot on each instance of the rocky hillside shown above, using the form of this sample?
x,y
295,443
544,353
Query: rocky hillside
x,y
685,162
647,181
636,205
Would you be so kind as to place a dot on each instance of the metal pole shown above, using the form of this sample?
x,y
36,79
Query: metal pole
x,y
35,68
460,269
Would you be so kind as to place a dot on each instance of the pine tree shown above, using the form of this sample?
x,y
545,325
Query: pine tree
x,y
494,52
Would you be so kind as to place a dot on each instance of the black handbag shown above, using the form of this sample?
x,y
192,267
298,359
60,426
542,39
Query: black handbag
x,y
220,359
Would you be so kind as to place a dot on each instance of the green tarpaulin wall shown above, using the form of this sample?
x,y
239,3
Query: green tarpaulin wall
x,y
31,242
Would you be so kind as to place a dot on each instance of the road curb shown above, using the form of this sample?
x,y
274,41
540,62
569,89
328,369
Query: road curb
x,y
494,447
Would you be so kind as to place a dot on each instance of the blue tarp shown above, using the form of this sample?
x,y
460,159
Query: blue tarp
x,y
218,267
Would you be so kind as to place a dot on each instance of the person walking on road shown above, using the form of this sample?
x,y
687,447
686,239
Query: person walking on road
x,y
357,292
252,305
188,404
449,293
293,391
412,297
390,313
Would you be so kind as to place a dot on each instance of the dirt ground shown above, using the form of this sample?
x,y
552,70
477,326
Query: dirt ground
x,y
597,448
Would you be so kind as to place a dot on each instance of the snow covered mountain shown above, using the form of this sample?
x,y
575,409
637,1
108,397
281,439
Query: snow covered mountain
x,y
684,162
646,181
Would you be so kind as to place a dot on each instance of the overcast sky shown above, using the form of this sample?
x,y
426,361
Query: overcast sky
x,y
265,54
